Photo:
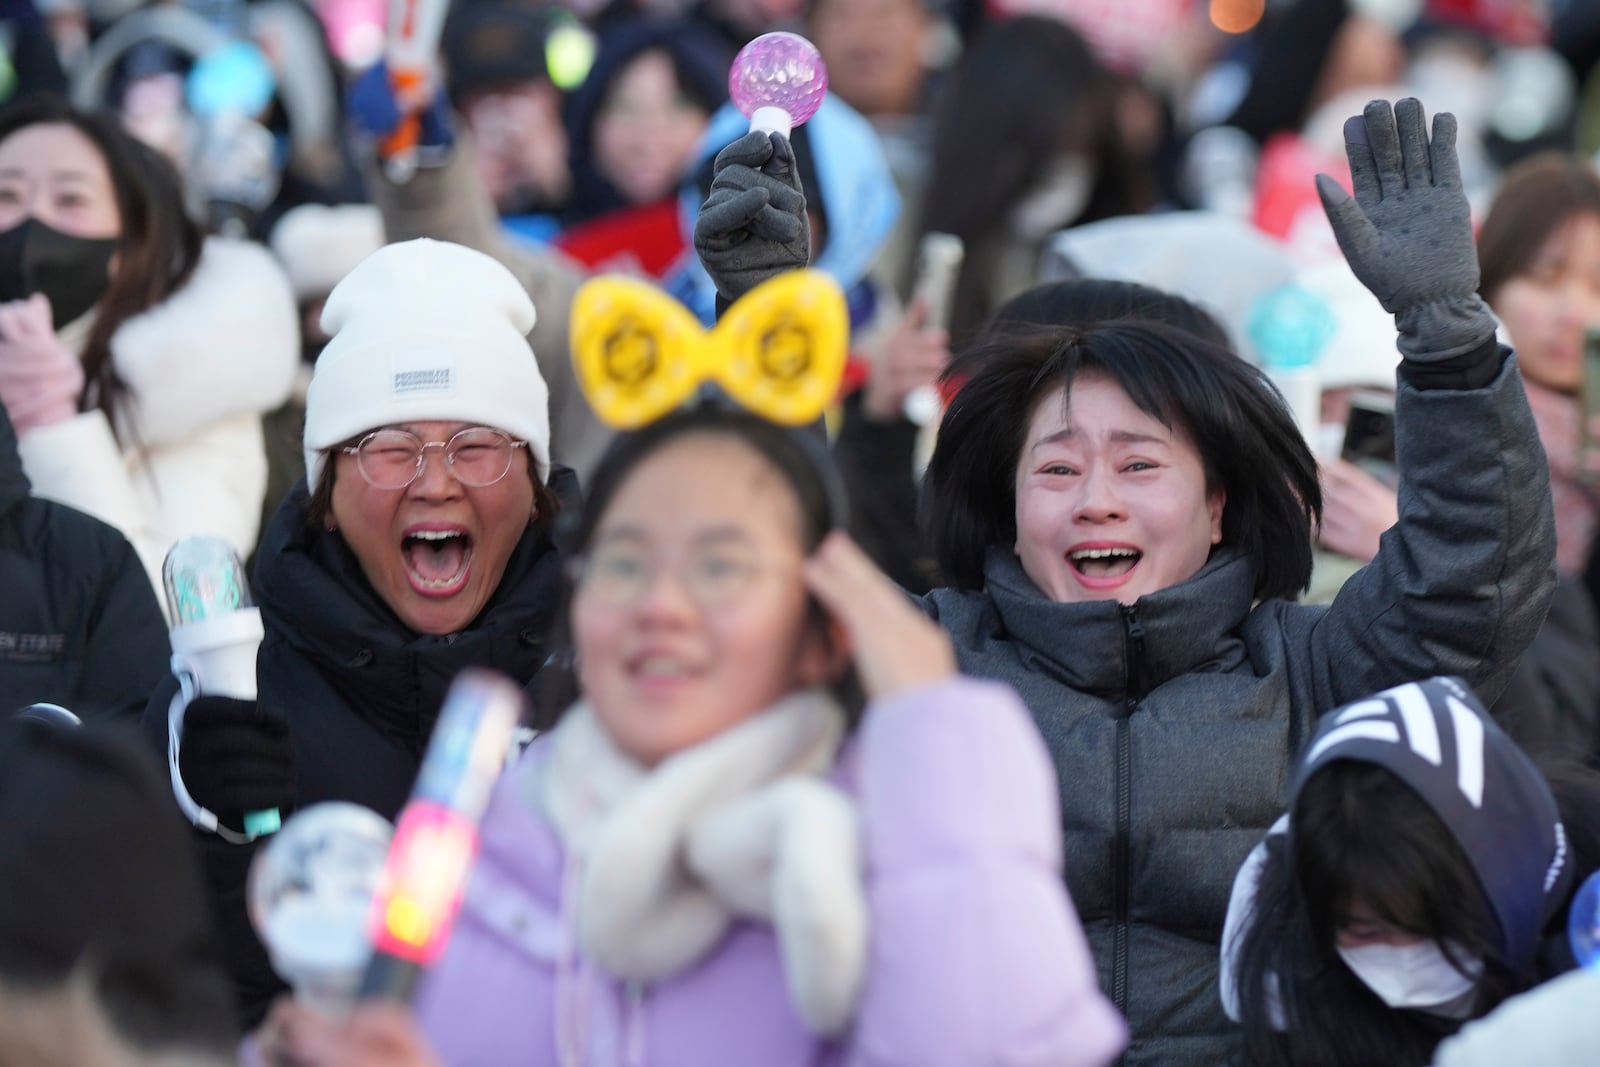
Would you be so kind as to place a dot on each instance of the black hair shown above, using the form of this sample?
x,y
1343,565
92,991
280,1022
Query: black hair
x,y
1359,833
802,461
799,455
1086,301
1246,437
159,246
1028,89
98,880
1293,44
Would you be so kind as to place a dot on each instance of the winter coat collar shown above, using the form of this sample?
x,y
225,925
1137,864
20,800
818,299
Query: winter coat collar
x,y
1104,647
663,861
314,597
226,343
14,486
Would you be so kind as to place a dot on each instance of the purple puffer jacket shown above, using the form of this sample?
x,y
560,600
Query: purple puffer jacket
x,y
976,956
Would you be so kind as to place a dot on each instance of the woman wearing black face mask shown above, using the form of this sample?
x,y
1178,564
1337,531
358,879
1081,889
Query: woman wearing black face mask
x,y
136,357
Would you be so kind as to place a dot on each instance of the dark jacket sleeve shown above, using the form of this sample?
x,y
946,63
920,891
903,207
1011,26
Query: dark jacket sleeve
x,y
875,460
1462,582
226,868
1552,704
126,653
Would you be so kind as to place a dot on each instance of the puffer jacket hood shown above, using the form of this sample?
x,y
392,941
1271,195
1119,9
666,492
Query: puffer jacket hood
x,y
1436,737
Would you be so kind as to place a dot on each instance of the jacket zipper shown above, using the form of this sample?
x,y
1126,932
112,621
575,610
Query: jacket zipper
x,y
1133,642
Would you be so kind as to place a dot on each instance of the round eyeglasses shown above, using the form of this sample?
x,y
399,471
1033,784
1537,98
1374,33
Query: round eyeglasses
x,y
392,459
622,575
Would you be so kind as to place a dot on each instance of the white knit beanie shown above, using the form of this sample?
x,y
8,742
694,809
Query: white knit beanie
x,y
427,331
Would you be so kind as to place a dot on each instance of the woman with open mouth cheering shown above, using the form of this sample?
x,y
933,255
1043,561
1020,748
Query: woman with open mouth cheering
x,y
1125,513
419,545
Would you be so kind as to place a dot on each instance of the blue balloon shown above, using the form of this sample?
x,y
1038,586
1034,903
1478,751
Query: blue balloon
x,y
233,77
1583,923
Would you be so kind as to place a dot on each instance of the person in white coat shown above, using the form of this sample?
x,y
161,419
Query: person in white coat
x,y
136,355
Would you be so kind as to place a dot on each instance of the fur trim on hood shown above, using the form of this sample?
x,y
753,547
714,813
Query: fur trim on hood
x,y
227,343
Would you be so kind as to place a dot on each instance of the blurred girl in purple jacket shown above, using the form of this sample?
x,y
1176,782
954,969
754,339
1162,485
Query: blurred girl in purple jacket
x,y
718,857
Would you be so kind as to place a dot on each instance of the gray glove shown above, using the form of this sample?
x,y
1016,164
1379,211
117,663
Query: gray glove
x,y
1408,233
753,224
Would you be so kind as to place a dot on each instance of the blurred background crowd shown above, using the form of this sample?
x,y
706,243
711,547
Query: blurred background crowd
x,y
1054,138
1022,127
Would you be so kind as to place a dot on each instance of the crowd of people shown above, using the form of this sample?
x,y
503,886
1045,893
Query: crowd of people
x,y
1171,639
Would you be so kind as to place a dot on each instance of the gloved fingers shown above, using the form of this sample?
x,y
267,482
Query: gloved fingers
x,y
1446,165
751,150
781,227
1363,171
782,166
12,321
724,215
33,318
1351,226
1413,128
779,195
372,101
1384,140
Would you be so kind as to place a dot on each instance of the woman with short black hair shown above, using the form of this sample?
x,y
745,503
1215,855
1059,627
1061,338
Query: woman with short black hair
x,y
1124,512
1250,451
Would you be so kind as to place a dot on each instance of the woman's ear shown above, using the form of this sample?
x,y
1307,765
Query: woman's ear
x,y
825,657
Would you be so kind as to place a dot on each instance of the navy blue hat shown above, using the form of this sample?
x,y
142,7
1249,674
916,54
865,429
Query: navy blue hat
x,y
1437,738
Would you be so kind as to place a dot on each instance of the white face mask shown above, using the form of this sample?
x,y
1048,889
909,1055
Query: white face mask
x,y
1417,976
1056,200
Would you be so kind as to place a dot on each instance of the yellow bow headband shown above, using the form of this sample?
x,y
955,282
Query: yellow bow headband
x,y
779,351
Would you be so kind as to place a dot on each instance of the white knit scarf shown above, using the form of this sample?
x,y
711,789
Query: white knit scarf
x,y
738,826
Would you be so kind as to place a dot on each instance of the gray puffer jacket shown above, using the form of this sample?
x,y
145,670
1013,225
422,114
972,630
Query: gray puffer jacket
x,y
1173,722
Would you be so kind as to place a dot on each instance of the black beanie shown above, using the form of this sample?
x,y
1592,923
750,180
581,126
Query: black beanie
x,y
96,869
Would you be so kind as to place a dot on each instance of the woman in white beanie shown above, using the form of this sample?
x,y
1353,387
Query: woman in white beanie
x,y
418,545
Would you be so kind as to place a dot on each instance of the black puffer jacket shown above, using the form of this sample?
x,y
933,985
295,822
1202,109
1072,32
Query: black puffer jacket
x,y
1552,705
359,691
79,624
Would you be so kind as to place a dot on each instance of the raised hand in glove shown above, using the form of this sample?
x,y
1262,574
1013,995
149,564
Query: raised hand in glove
x,y
377,111
39,379
753,224
1407,234
237,761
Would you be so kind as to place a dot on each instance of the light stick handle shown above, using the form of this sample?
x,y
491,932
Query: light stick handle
x,y
772,120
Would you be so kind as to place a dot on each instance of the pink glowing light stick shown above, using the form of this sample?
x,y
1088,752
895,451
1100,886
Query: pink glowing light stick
x,y
778,81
